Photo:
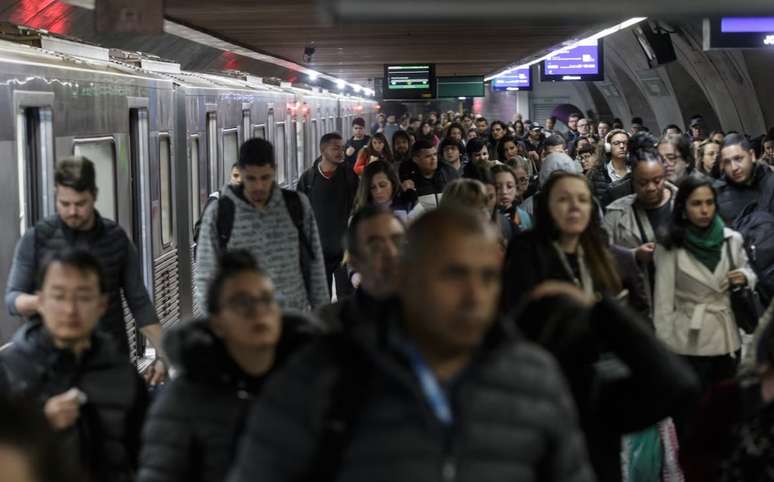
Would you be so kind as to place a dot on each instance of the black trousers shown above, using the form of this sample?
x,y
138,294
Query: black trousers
x,y
334,269
710,370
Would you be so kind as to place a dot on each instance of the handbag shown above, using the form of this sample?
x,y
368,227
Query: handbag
x,y
745,303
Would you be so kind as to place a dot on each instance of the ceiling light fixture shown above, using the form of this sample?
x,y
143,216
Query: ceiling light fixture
x,y
604,33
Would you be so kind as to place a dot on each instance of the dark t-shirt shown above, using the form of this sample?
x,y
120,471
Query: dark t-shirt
x,y
350,160
659,219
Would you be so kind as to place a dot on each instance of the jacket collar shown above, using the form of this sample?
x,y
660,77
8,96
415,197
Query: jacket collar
x,y
70,234
700,273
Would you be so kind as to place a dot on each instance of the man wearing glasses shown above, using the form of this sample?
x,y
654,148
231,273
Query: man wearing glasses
x,y
616,167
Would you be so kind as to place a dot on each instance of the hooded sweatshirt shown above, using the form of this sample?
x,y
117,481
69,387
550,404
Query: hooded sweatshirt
x,y
271,237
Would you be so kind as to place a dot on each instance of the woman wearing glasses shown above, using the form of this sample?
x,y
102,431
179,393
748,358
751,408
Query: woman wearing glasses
x,y
222,361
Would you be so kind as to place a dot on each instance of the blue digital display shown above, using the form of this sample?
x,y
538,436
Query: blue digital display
x,y
519,79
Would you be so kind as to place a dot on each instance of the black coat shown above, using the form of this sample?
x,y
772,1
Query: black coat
x,y
600,184
513,418
530,260
107,433
622,378
733,198
193,428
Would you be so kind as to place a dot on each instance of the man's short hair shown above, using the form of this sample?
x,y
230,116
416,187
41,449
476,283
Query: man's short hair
x,y
420,145
256,152
474,146
482,119
77,173
736,139
555,140
451,142
331,136
576,115
362,215
359,121
80,259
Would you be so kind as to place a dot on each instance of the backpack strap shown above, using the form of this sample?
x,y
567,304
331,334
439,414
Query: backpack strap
x,y
224,221
348,397
296,211
639,224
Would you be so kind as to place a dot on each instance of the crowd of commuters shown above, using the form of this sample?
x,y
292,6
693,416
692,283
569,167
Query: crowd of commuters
x,y
441,298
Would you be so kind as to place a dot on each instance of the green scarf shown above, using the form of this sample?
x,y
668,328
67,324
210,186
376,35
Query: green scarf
x,y
706,244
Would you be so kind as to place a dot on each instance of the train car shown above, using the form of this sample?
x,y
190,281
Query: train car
x,y
162,140
62,98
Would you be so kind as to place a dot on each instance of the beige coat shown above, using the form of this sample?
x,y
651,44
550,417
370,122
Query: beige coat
x,y
621,225
692,307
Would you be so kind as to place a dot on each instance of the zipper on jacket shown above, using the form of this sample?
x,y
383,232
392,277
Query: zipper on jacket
x,y
449,468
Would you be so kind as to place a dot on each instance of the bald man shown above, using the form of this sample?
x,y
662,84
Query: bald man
x,y
434,387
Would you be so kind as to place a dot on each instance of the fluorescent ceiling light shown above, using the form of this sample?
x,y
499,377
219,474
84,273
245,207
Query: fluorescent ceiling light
x,y
341,84
604,33
357,87
313,75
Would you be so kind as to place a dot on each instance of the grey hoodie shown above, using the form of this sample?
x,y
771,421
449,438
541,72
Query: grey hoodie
x,y
270,236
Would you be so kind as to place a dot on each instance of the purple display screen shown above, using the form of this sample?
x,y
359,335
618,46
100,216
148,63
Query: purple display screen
x,y
519,79
581,60
747,25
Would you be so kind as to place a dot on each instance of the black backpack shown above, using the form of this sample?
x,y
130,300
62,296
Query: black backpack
x,y
225,224
757,228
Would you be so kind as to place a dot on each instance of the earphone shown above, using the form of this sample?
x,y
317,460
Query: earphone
x,y
608,146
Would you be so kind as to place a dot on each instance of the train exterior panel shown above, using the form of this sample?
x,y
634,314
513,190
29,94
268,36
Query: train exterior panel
x,y
162,141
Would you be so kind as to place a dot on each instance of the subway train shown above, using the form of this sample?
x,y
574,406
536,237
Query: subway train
x,y
161,139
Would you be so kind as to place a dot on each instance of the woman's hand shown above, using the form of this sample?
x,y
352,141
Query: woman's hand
x,y
737,278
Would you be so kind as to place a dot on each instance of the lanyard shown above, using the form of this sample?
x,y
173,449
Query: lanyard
x,y
586,283
432,390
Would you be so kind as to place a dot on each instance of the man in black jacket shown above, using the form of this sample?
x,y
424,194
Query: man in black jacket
x,y
358,141
744,181
445,391
78,224
374,238
331,189
427,176
87,389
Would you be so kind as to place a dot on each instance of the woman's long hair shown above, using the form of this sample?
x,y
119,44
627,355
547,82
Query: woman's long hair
x,y
676,233
385,155
593,240
363,197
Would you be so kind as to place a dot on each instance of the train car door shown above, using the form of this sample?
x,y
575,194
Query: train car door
x,y
230,151
300,129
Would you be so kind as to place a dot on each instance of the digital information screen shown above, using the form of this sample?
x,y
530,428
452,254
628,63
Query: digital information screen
x,y
739,33
461,86
585,61
414,81
520,79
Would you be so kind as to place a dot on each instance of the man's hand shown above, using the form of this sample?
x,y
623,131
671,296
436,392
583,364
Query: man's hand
x,y
156,373
350,150
408,185
644,253
63,410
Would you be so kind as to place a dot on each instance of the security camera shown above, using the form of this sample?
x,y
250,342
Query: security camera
x,y
308,52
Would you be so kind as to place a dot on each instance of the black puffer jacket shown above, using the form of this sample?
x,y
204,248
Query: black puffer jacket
x,y
623,379
513,418
733,198
106,435
192,430
600,184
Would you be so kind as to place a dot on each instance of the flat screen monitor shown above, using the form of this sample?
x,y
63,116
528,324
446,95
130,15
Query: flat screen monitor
x,y
409,82
461,86
584,62
739,33
519,79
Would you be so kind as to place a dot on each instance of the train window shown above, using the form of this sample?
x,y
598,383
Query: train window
x,y
195,191
246,132
279,153
230,151
212,151
315,147
260,131
141,198
292,147
300,148
165,179
35,154
102,152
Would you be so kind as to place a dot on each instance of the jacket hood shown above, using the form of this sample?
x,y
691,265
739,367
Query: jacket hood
x,y
199,354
